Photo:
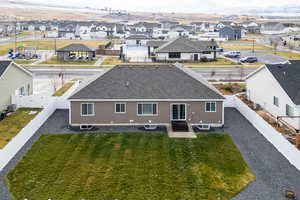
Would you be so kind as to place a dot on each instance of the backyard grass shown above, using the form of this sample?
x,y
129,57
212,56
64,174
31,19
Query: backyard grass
x,y
11,125
130,166
62,90
54,61
286,54
47,44
243,47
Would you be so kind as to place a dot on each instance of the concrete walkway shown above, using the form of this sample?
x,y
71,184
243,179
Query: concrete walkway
x,y
173,134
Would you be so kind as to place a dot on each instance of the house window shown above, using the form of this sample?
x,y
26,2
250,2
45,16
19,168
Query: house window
x,y
22,91
210,107
276,101
147,109
87,109
289,111
120,108
174,55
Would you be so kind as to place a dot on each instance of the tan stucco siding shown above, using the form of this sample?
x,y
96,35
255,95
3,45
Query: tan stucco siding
x,y
105,114
13,79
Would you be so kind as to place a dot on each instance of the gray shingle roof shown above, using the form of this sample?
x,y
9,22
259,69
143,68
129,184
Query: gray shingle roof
x,y
288,76
147,82
185,45
133,37
3,66
75,47
155,43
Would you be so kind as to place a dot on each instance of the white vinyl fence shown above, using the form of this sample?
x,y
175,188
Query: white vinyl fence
x,y
288,150
12,148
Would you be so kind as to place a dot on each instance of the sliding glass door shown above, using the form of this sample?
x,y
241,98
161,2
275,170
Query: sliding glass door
x,y
178,111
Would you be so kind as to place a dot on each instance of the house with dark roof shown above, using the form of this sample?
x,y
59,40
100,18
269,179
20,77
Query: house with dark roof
x,y
75,52
276,89
14,80
182,49
138,95
231,32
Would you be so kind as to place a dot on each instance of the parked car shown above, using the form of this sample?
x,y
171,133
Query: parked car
x,y
248,59
232,54
220,49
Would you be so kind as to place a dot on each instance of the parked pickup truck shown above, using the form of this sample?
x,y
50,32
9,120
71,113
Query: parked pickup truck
x,y
232,54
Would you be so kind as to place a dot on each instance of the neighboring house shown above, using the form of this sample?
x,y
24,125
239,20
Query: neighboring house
x,y
252,28
183,49
79,52
137,39
276,88
14,80
230,32
138,95
66,30
272,28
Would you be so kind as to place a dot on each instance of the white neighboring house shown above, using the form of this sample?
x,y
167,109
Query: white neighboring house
x,y
182,49
14,80
276,88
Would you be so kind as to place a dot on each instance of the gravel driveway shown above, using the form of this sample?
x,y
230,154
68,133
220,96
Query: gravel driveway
x,y
273,172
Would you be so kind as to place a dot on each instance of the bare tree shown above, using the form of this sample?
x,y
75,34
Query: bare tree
x,y
274,43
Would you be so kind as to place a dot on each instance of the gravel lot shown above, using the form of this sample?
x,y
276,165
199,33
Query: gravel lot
x,y
273,172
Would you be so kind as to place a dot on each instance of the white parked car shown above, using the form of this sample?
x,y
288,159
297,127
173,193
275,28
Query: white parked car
x,y
232,54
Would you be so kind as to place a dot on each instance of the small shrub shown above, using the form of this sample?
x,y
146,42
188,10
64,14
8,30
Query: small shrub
x,y
204,59
227,88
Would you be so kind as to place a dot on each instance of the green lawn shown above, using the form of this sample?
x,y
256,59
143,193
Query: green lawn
x,y
243,46
117,61
62,90
54,61
285,54
24,62
11,125
130,166
47,44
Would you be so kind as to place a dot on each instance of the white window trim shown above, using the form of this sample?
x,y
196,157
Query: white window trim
x,y
88,115
171,112
137,109
215,106
124,108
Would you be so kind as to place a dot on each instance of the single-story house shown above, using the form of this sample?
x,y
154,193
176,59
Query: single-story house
x,y
182,49
139,95
276,89
231,32
75,52
14,80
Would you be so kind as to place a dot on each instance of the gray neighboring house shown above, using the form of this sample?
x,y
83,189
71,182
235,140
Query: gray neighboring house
x,y
14,80
138,95
231,32
182,49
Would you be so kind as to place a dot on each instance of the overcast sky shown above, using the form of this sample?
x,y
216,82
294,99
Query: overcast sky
x,y
173,5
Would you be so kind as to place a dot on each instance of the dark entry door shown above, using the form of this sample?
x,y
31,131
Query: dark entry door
x,y
196,58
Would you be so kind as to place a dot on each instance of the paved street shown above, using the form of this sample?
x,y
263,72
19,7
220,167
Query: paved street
x,y
261,56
